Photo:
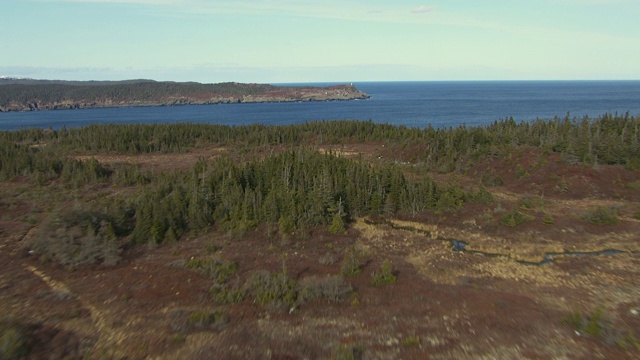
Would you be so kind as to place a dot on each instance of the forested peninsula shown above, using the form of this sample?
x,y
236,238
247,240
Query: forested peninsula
x,y
33,95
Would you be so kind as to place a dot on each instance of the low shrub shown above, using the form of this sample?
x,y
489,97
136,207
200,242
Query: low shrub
x,y
220,270
633,185
14,340
347,352
562,186
482,196
632,163
574,319
515,218
331,288
521,172
337,224
204,319
226,294
599,325
185,321
531,202
352,261
277,289
601,216
411,341
36,340
327,259
77,237
491,180
384,275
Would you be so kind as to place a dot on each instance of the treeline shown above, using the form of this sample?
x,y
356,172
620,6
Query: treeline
x,y
291,190
609,139
42,167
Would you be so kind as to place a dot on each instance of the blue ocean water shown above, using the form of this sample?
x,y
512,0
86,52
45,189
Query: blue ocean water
x,y
413,104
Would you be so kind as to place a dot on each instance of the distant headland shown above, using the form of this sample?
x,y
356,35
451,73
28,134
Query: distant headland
x,y
17,94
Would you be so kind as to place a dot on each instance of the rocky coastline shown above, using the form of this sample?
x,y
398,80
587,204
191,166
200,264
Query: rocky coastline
x,y
27,97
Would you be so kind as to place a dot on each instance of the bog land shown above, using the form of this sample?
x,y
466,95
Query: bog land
x,y
341,239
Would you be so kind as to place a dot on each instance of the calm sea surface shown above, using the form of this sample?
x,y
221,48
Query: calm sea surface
x,y
413,104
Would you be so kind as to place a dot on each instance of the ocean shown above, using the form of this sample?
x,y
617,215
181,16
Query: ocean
x,y
411,104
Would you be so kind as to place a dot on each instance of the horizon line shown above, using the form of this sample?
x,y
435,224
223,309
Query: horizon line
x,y
17,77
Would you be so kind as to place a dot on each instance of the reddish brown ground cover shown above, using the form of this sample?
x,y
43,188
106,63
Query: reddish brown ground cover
x,y
444,305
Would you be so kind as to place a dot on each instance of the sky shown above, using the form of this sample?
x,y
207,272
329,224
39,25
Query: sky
x,y
294,41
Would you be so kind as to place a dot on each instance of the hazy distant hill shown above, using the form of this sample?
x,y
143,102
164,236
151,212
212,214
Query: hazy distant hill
x,y
28,94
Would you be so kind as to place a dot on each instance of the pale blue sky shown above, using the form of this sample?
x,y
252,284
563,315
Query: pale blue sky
x,y
314,41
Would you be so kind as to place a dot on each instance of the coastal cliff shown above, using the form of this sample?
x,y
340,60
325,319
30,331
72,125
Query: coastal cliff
x,y
35,95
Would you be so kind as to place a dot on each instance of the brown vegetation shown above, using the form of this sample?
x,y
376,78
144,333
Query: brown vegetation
x,y
389,286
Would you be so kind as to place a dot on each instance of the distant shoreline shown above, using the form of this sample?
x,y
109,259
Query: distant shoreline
x,y
39,95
